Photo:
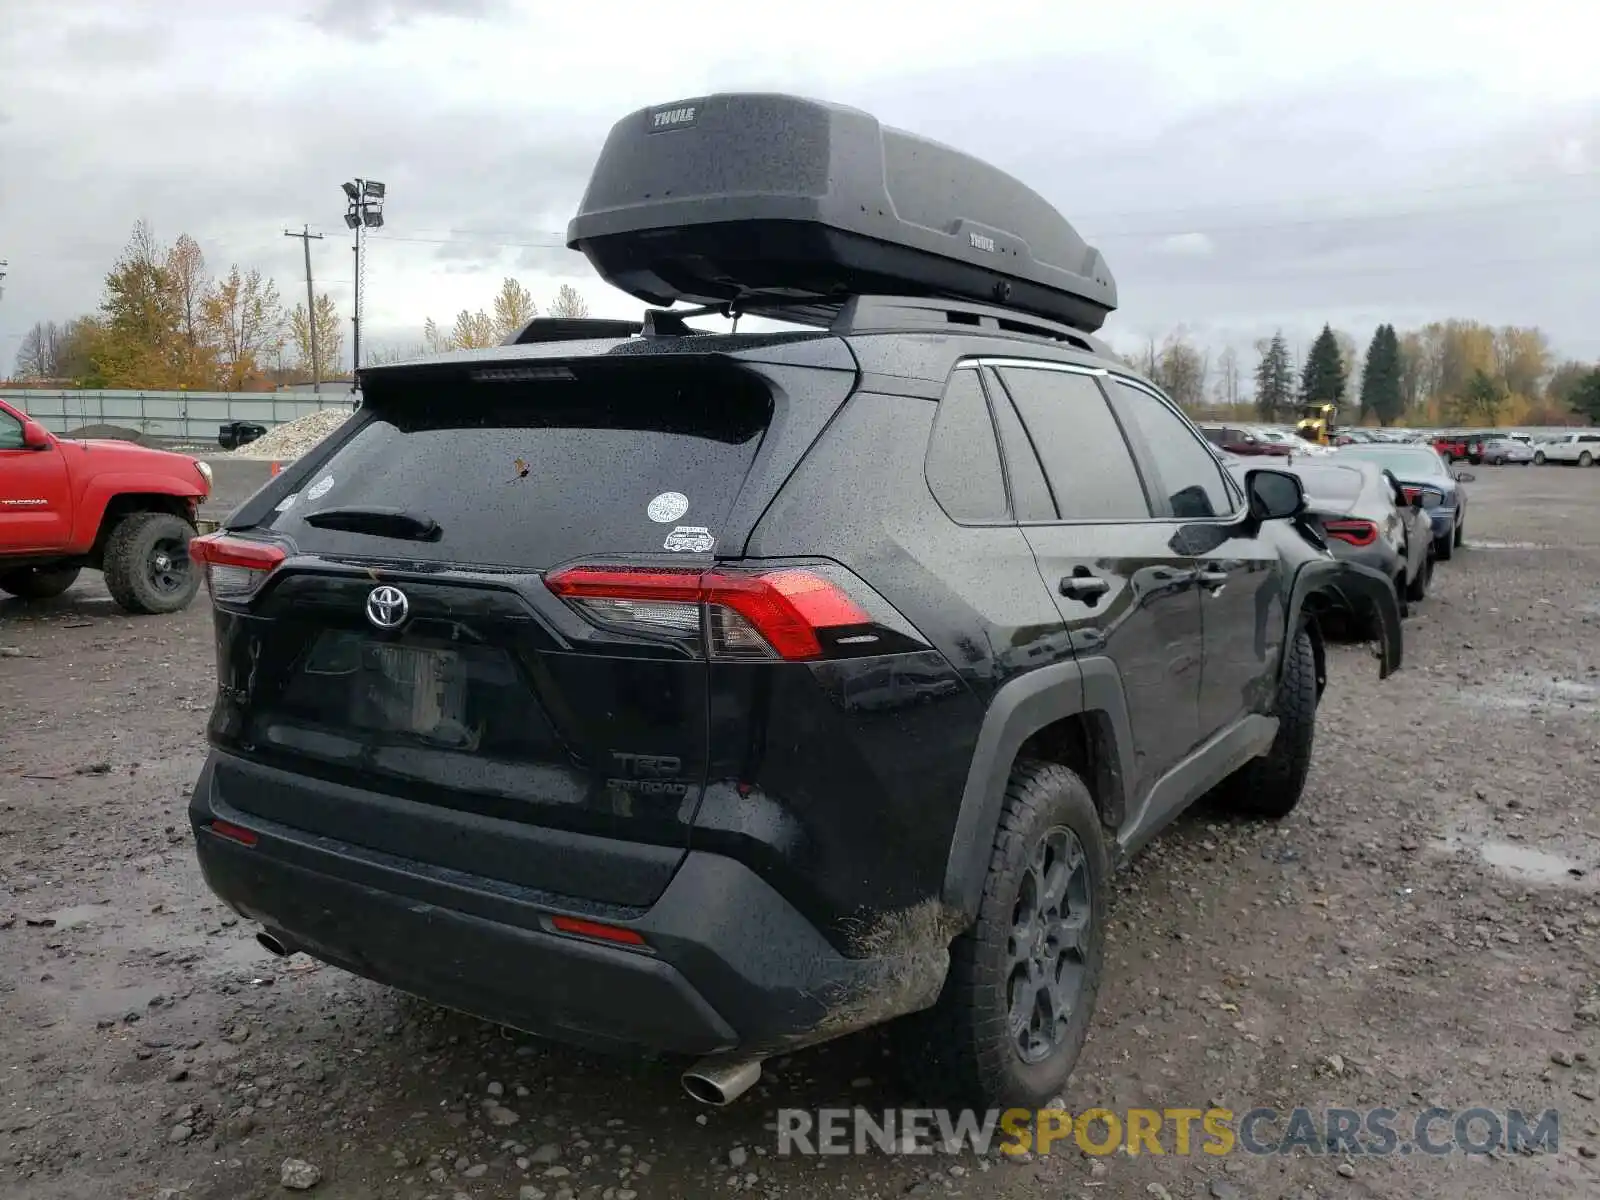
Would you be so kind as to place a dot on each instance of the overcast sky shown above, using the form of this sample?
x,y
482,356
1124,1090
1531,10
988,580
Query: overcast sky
x,y
1241,164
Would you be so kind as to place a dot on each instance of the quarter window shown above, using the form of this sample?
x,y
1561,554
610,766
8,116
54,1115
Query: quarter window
x,y
963,465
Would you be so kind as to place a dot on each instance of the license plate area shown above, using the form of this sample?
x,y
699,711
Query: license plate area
x,y
390,688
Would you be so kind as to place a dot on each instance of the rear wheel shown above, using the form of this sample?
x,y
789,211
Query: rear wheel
x,y
147,565
1538,458
1271,786
38,583
1585,459
1010,1023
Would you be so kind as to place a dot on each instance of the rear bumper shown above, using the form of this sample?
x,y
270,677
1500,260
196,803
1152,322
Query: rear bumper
x,y
1444,521
730,966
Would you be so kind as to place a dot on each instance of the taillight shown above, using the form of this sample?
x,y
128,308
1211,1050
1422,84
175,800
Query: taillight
x,y
235,567
790,613
1357,533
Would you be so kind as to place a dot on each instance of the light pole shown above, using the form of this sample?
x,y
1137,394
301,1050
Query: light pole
x,y
363,211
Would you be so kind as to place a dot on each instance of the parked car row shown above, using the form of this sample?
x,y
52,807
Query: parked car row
x,y
1391,506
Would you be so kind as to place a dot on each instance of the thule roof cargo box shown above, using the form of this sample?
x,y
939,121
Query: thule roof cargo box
x,y
760,200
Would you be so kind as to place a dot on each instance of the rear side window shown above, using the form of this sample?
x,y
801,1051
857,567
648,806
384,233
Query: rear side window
x,y
10,431
1085,457
963,465
1191,478
529,475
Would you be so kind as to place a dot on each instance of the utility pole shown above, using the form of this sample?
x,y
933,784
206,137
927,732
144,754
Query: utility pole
x,y
305,235
3,265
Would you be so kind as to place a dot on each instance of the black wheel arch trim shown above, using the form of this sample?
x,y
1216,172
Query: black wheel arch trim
x,y
1362,589
1089,687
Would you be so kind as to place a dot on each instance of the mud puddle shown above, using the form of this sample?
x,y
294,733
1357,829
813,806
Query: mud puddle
x,y
1523,862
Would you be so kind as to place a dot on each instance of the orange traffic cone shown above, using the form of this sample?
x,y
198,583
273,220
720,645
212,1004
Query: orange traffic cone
x,y
274,469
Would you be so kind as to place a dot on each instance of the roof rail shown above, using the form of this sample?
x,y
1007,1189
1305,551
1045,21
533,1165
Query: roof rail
x,y
571,329
881,314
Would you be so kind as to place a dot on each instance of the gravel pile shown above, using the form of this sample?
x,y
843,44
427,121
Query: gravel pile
x,y
293,438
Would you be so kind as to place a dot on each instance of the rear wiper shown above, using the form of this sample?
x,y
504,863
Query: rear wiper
x,y
380,522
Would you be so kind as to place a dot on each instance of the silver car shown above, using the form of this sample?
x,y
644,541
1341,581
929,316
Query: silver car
x,y
1497,452
1367,517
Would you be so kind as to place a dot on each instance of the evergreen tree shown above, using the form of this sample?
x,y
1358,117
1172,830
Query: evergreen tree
x,y
1323,380
1585,397
1275,381
1381,392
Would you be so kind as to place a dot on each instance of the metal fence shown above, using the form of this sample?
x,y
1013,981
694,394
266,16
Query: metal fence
x,y
180,416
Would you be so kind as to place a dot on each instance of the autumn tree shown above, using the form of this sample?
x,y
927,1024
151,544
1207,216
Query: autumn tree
x,y
1323,379
243,320
1381,381
1180,369
513,308
329,340
569,303
1274,380
474,331
1522,360
188,284
141,342
1565,380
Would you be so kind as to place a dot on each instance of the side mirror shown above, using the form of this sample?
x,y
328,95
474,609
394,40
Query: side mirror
x,y
1464,477
35,436
1275,495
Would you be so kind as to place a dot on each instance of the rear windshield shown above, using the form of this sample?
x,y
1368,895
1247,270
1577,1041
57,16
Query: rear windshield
x,y
1332,483
1403,461
528,475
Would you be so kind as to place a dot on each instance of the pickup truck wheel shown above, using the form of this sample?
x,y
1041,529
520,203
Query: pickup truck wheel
x,y
147,565
1585,459
38,583
1538,458
1271,786
1010,1022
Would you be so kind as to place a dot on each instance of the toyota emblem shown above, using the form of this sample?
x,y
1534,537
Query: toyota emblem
x,y
387,607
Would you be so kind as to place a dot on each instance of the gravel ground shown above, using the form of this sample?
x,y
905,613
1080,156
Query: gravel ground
x,y
1423,931
293,438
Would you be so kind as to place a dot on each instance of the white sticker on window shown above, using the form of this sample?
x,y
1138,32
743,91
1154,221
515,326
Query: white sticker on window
x,y
319,489
668,507
288,500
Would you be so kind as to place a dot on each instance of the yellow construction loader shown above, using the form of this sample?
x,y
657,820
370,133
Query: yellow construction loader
x,y
1316,423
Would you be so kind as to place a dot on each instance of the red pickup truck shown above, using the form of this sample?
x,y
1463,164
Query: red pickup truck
x,y
115,507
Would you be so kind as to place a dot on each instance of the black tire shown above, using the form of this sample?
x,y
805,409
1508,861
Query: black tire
x,y
1461,532
1417,589
1538,458
1444,547
966,1049
38,583
1585,459
1271,786
147,565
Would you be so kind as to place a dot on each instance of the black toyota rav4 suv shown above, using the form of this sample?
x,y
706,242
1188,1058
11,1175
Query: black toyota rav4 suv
x,y
717,694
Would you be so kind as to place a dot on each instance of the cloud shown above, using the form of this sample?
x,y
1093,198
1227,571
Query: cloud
x,y
1193,245
366,18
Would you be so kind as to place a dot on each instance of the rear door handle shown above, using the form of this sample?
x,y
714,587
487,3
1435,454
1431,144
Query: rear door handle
x,y
1084,587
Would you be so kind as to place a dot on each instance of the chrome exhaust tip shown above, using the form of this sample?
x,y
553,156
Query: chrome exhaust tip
x,y
274,944
721,1081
